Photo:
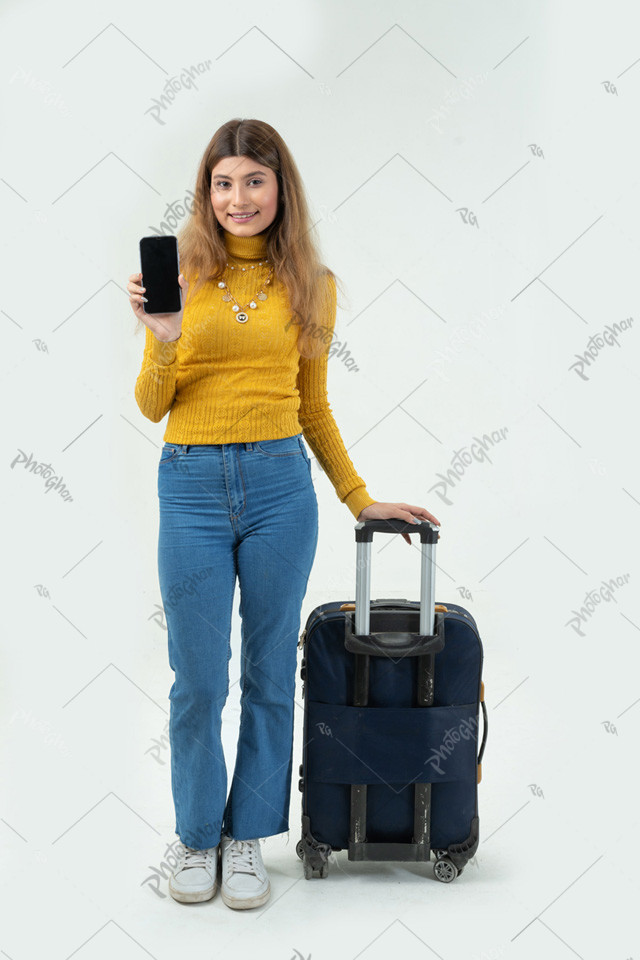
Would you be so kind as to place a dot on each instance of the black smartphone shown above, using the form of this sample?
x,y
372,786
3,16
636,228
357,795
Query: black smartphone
x,y
160,266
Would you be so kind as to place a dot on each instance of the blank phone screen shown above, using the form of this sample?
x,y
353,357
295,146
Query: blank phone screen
x,y
160,268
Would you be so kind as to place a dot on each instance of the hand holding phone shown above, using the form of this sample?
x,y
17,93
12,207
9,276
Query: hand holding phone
x,y
164,288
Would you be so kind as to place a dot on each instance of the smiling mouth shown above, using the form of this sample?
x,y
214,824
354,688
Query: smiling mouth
x,y
243,216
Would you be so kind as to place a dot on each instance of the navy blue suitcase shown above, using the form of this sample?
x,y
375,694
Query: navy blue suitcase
x,y
392,693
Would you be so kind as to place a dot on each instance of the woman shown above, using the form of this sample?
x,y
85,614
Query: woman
x,y
242,371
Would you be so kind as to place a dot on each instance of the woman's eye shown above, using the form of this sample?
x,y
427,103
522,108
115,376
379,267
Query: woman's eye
x,y
222,183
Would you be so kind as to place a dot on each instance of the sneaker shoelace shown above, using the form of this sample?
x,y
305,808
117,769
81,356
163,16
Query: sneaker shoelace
x,y
243,856
195,858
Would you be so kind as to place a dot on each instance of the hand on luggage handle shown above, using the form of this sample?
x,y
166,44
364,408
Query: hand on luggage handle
x,y
429,532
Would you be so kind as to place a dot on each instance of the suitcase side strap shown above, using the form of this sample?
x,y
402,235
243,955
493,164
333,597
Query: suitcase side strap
x,y
485,727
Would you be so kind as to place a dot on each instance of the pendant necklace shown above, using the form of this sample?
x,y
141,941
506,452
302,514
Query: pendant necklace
x,y
241,315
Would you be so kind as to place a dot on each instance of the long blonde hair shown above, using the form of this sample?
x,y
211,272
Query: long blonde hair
x,y
291,246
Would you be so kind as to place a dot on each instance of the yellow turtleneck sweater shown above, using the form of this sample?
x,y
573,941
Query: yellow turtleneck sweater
x,y
230,382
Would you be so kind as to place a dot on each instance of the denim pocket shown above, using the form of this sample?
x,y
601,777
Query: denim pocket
x,y
169,451
283,447
303,450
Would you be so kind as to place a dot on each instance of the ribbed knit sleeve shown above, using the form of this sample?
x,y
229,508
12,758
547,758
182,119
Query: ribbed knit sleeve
x,y
317,421
155,388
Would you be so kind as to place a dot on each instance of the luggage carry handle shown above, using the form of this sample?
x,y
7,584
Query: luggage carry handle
x,y
430,638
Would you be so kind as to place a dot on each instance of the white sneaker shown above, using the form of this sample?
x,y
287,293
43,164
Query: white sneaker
x,y
195,878
244,879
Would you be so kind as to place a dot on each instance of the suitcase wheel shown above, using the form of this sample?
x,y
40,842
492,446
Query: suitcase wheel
x,y
445,870
310,873
300,849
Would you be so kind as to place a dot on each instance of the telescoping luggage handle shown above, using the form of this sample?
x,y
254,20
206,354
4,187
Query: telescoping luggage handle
x,y
429,639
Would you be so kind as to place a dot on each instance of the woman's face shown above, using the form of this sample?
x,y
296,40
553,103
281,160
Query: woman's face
x,y
240,185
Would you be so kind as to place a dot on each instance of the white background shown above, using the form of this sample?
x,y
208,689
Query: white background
x,y
473,168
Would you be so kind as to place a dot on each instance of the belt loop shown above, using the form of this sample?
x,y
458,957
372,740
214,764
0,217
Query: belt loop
x,y
248,446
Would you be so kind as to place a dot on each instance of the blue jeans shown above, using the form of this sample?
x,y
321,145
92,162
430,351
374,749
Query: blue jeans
x,y
247,510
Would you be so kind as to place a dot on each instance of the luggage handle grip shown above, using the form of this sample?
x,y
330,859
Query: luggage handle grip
x,y
398,643
365,529
485,727
485,724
